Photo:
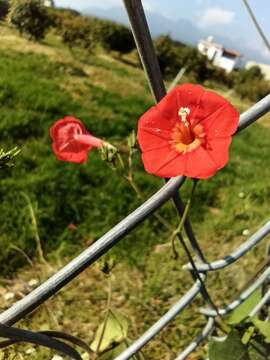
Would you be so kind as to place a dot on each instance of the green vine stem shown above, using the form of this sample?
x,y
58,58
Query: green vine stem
x,y
177,232
179,228
108,309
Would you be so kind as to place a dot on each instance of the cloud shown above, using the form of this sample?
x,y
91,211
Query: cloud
x,y
258,48
215,16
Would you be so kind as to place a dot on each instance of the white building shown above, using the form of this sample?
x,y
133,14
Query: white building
x,y
49,3
226,59
265,68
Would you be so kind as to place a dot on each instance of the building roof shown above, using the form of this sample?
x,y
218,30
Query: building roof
x,y
231,52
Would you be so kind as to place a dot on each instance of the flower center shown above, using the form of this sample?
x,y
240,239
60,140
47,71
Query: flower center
x,y
185,135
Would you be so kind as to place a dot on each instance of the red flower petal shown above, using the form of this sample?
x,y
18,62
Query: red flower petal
x,y
152,139
187,95
218,116
155,118
79,157
154,132
169,161
199,164
218,150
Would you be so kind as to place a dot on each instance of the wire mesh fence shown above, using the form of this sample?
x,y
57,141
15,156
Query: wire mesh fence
x,y
169,191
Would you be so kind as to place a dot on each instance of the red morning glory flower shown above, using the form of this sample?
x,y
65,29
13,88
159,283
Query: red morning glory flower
x,y
71,140
187,133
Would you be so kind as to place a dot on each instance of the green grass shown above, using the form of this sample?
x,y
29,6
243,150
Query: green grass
x,y
36,89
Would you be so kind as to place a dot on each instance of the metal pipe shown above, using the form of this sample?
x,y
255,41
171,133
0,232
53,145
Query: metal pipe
x,y
151,67
161,323
235,255
260,304
254,113
245,294
199,339
145,47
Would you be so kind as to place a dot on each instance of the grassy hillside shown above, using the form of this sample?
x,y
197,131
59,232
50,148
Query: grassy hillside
x,y
75,204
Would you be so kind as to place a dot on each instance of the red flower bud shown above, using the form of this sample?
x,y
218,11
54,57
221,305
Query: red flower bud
x,y
71,140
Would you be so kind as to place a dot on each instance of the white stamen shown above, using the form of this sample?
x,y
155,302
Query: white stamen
x,y
183,112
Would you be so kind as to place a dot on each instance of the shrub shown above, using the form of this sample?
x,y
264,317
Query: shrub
x,y
114,37
250,84
30,17
253,90
77,31
3,9
245,75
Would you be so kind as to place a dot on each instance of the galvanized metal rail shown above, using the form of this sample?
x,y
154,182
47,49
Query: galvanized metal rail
x,y
169,191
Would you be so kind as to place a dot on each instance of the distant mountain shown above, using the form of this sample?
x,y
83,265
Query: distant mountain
x,y
181,29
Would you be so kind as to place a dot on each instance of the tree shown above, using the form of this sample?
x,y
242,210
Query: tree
x,y
60,15
173,56
195,63
30,17
166,52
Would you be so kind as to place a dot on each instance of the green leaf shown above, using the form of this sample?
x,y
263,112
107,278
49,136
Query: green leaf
x,y
243,310
111,354
116,330
229,349
248,334
258,351
263,327
117,350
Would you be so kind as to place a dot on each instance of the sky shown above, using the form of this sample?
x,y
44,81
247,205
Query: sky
x,y
227,17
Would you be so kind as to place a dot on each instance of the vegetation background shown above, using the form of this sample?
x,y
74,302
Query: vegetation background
x,y
89,68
